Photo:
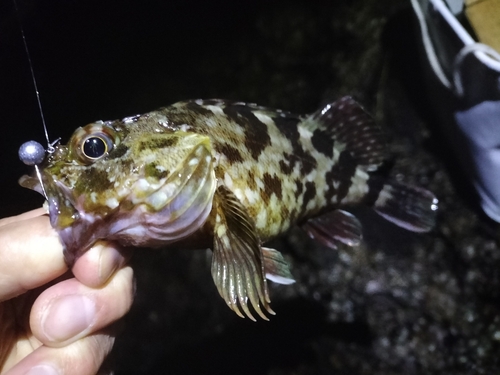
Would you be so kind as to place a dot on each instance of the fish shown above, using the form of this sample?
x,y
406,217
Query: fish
x,y
228,176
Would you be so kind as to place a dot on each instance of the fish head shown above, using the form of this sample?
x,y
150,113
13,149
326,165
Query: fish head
x,y
136,181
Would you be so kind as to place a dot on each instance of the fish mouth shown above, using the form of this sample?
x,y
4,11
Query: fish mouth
x,y
150,215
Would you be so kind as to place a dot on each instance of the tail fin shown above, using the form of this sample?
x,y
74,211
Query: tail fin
x,y
407,206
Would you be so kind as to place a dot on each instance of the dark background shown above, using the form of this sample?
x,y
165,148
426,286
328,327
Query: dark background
x,y
400,304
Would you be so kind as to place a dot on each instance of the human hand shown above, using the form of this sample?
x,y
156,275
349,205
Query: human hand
x,y
52,322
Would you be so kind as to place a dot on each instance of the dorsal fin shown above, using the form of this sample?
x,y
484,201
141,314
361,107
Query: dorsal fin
x,y
347,122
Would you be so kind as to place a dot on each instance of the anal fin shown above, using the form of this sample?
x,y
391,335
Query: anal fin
x,y
237,262
334,227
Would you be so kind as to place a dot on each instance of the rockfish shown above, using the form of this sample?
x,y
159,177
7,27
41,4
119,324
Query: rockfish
x,y
228,176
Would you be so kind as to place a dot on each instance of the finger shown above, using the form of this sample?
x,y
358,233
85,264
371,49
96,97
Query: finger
x,y
97,265
70,310
31,255
26,215
83,357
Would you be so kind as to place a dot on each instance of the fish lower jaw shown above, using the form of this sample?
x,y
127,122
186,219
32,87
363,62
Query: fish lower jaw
x,y
145,229
139,227
172,212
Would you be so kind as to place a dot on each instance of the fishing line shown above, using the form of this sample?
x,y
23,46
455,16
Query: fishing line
x,y
50,146
32,152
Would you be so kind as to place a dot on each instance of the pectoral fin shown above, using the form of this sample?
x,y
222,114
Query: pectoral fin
x,y
334,227
237,263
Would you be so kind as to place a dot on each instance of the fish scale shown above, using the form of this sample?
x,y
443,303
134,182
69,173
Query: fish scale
x,y
228,176
281,202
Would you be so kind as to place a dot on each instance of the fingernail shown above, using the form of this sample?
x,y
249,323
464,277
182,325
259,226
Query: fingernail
x,y
42,370
68,316
109,261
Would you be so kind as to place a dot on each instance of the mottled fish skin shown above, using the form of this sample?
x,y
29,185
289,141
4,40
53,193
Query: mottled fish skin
x,y
227,176
280,169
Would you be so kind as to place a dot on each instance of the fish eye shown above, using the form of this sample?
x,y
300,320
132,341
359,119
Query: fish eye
x,y
94,147
91,143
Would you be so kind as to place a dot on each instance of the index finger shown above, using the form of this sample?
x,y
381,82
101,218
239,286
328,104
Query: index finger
x,y
25,215
30,255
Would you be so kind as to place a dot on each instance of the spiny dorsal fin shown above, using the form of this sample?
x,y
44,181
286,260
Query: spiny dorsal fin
x,y
237,262
346,122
